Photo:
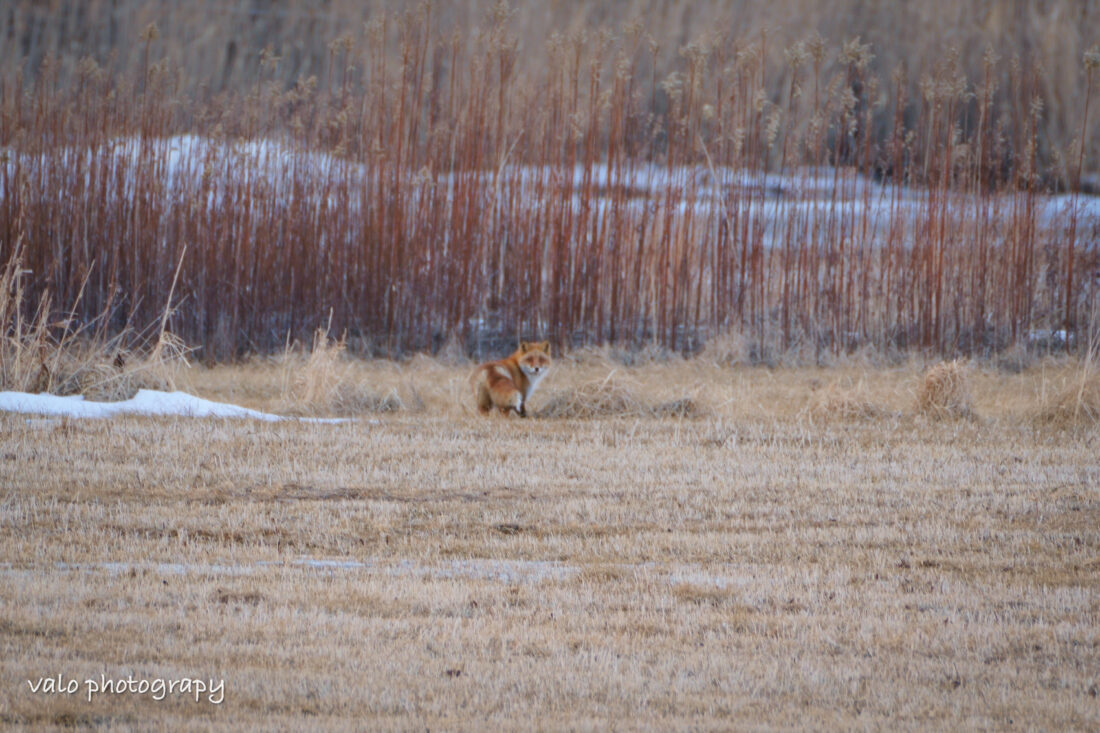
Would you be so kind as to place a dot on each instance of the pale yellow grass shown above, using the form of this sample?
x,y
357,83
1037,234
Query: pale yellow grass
x,y
772,563
41,354
945,390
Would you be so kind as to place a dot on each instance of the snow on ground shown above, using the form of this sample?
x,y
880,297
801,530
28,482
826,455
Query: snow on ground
x,y
184,162
508,572
195,168
145,402
503,571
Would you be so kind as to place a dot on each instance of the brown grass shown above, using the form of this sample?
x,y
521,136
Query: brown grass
x,y
324,383
232,48
945,390
845,404
749,569
1078,404
1077,401
793,556
614,396
38,354
431,187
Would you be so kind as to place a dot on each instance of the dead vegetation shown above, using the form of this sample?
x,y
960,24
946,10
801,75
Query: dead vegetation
x,y
757,567
835,402
590,199
945,390
615,395
1077,404
1077,401
41,354
324,382
227,51
669,542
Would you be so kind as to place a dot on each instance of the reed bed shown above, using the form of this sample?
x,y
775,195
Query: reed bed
x,y
228,45
430,190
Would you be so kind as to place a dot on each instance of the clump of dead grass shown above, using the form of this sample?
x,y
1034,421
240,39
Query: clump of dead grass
x,y
945,391
730,348
648,354
324,382
615,396
1078,402
108,371
46,353
701,595
834,402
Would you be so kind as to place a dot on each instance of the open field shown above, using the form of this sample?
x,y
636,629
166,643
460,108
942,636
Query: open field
x,y
805,549
711,543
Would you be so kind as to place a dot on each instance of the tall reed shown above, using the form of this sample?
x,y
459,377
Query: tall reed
x,y
429,190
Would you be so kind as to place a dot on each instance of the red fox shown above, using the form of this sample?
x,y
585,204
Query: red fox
x,y
506,384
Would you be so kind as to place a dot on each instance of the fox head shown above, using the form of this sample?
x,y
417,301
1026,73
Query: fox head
x,y
534,358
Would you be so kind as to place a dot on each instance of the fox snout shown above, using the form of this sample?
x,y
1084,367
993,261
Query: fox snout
x,y
533,368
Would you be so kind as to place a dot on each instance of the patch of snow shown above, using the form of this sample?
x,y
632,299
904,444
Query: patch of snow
x,y
508,572
163,568
504,571
842,204
145,402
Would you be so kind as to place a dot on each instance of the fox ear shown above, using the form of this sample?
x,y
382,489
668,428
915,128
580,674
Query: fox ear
x,y
524,346
545,346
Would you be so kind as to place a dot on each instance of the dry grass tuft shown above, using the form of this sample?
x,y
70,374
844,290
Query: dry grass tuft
x,y
945,391
1078,403
612,396
325,383
701,595
682,407
727,349
108,371
615,396
45,353
843,404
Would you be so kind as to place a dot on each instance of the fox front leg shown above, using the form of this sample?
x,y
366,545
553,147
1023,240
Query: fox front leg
x,y
522,410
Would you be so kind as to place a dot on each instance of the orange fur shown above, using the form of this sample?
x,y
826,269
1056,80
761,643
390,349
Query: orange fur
x,y
507,383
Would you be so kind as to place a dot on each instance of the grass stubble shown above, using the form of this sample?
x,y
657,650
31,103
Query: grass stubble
x,y
669,543
807,548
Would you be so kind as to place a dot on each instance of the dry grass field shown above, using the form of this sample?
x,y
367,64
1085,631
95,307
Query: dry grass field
x,y
729,541
691,546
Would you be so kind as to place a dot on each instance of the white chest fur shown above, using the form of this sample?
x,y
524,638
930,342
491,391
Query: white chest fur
x,y
534,376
